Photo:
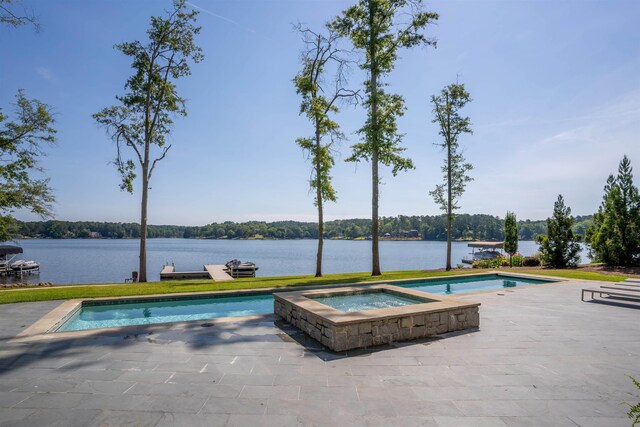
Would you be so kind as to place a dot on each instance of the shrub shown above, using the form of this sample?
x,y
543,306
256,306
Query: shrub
x,y
489,263
531,261
517,260
634,410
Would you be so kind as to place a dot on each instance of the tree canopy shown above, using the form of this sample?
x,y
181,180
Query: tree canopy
x,y
320,56
559,248
142,121
614,237
16,16
379,28
446,113
466,227
510,235
22,138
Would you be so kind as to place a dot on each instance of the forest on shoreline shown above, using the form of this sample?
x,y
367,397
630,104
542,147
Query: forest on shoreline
x,y
401,227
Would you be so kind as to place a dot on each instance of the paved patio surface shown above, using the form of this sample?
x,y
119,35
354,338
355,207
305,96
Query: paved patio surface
x,y
541,358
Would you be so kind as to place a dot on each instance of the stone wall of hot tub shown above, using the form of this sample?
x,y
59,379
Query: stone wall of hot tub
x,y
367,333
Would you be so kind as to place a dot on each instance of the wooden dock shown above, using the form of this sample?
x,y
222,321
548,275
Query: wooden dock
x,y
167,269
217,272
214,272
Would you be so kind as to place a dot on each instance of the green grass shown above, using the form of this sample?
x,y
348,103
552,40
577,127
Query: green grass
x,y
575,274
176,286
169,287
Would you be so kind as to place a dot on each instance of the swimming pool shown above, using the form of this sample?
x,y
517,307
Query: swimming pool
x,y
169,310
140,311
458,285
365,301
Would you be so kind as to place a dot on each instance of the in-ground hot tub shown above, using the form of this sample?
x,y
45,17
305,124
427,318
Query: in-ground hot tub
x,y
363,316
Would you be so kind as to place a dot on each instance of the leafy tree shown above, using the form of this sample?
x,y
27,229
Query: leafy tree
x,y
319,101
510,235
446,112
634,410
14,18
144,118
614,236
380,28
21,142
559,247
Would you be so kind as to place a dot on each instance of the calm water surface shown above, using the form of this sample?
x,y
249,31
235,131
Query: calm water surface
x,y
95,261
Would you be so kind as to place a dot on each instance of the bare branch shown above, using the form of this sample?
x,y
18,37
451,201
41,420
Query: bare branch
x,y
122,132
153,165
7,16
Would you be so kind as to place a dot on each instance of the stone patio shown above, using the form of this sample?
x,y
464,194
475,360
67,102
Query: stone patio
x,y
541,358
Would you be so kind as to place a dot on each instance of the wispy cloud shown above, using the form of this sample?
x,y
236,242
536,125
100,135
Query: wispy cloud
x,y
612,123
571,155
230,21
46,74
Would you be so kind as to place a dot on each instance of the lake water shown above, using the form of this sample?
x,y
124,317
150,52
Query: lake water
x,y
96,261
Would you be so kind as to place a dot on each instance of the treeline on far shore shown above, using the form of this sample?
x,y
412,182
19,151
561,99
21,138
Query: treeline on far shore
x,y
465,227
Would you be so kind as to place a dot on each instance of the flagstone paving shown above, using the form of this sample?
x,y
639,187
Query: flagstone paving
x,y
540,357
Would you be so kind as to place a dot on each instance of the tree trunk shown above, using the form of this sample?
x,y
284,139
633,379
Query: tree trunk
x,y
449,210
375,225
319,203
320,241
142,273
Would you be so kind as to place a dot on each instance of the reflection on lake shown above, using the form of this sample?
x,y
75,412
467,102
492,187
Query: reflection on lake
x,y
93,261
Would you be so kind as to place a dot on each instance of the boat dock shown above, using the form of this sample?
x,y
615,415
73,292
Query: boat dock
x,y
167,269
487,250
217,273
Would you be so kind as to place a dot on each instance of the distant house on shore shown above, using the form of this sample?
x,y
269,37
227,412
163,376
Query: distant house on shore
x,y
409,233
95,235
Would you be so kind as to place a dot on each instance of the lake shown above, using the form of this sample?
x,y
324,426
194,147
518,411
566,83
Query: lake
x,y
100,261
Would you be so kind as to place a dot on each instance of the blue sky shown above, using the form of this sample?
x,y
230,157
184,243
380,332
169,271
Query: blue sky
x,y
555,88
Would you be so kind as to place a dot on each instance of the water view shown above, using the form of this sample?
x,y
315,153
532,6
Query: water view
x,y
103,261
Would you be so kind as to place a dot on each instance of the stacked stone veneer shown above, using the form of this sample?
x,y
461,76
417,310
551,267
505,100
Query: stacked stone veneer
x,y
360,333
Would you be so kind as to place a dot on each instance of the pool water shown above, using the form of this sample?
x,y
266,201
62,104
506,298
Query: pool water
x,y
458,285
366,301
176,309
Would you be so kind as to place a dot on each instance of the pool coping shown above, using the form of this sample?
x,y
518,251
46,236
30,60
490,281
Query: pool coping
x,y
50,322
434,302
339,330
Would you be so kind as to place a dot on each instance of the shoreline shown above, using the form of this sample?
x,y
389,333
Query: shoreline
x,y
382,239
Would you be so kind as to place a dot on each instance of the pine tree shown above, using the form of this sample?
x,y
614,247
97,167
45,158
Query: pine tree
x,y
510,235
559,247
614,236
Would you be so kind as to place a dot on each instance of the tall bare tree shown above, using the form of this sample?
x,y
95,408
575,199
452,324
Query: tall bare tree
x,y
142,121
446,112
380,28
319,102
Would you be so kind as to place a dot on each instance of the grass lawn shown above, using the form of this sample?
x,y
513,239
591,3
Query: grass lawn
x,y
168,287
